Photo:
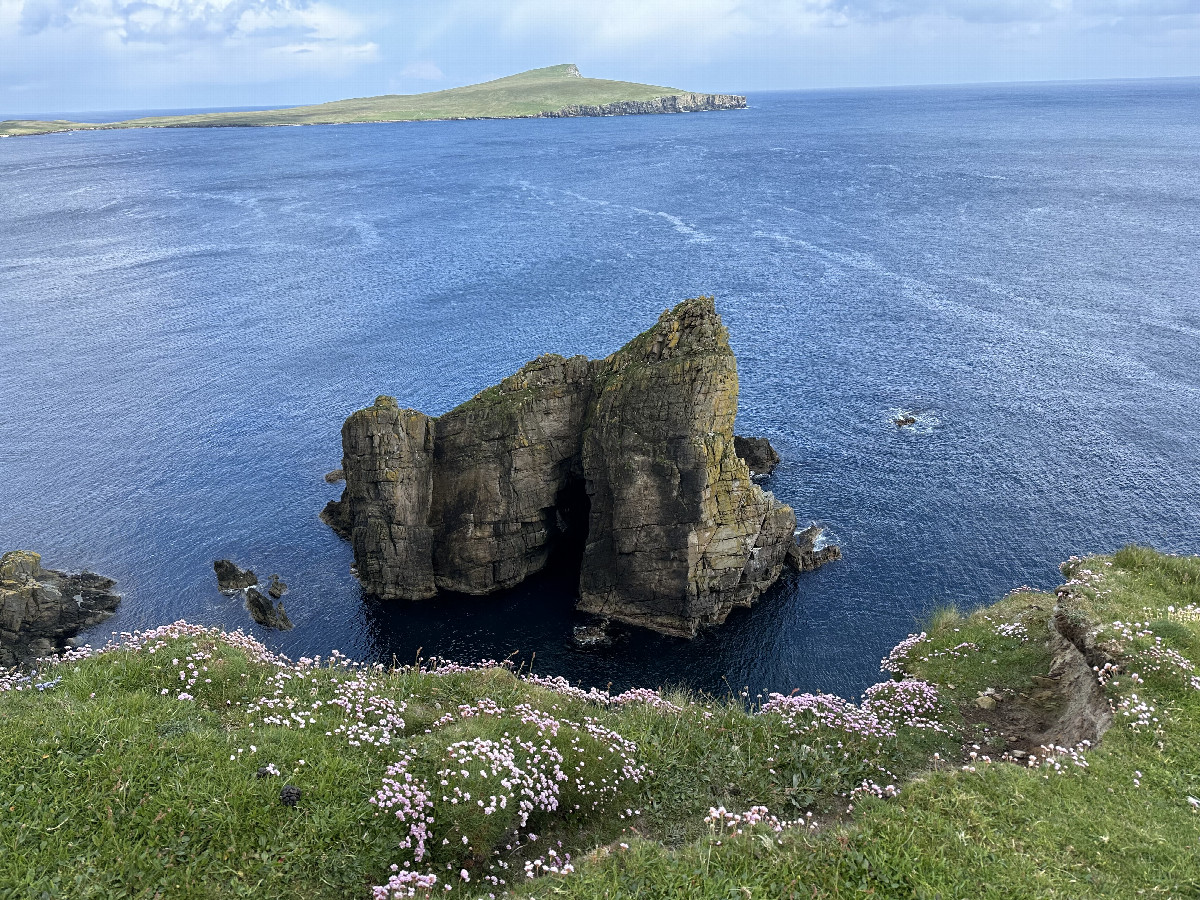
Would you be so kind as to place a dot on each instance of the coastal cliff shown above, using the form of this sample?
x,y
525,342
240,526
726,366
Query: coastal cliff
x,y
40,609
624,464
674,103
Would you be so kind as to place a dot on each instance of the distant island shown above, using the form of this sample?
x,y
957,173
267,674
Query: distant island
x,y
551,92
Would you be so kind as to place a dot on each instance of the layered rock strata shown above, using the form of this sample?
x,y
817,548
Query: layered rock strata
x,y
41,609
628,462
672,103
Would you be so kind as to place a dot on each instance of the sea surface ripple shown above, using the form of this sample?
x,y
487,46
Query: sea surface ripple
x,y
187,316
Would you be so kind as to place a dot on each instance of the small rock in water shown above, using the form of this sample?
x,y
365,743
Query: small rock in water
x,y
232,578
337,475
804,556
905,421
596,635
276,588
290,795
264,613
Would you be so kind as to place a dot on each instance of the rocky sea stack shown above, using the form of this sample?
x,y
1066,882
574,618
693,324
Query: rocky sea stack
x,y
624,466
41,610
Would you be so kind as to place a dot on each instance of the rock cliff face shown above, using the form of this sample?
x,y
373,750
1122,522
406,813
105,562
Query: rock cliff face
x,y
40,608
672,103
626,464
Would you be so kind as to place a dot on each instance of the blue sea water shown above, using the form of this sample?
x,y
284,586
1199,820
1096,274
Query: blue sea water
x,y
187,316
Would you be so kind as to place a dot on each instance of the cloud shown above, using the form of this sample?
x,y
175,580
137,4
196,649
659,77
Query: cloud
x,y
169,21
132,43
704,23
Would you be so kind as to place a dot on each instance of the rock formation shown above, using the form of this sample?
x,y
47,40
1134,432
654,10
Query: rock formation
x,y
230,577
672,103
803,555
628,462
41,609
264,612
758,453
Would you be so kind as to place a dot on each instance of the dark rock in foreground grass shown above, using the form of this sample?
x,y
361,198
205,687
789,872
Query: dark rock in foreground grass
x,y
232,578
41,609
628,461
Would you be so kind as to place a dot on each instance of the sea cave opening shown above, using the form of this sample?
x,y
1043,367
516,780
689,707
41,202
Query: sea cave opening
x,y
569,528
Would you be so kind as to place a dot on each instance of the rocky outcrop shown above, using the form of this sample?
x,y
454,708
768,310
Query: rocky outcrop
x,y
672,103
264,612
625,464
231,577
804,555
758,453
41,609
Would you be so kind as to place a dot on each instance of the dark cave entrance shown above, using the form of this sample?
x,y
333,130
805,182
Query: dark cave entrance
x,y
568,526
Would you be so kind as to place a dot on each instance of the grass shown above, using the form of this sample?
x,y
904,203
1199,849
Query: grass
x,y
525,94
121,779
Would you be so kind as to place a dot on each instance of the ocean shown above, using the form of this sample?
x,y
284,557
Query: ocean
x,y
187,316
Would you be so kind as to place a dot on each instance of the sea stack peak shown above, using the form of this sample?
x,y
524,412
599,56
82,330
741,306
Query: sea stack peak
x,y
624,467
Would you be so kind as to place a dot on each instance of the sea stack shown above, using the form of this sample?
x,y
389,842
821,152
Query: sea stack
x,y
627,463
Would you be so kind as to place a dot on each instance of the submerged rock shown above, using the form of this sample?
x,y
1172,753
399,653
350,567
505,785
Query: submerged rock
x,y
804,555
628,461
41,609
231,578
758,453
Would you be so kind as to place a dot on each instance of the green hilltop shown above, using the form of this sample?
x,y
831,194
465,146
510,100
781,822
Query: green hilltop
x,y
532,93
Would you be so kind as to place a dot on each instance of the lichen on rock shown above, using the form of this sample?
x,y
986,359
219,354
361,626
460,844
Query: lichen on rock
x,y
627,462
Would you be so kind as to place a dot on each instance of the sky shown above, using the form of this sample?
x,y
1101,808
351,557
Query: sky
x,y
82,55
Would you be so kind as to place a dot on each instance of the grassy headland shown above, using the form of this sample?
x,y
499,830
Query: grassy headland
x,y
538,91
131,772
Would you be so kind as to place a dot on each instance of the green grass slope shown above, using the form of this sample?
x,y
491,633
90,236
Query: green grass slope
x,y
525,94
132,772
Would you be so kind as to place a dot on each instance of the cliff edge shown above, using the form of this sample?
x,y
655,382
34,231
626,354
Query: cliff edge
x,y
625,464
